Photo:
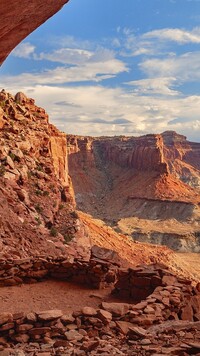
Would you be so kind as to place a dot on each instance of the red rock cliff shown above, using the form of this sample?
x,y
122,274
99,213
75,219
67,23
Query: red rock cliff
x,y
36,195
183,157
20,18
140,153
109,171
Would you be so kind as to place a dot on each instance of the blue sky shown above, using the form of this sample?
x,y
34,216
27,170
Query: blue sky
x,y
114,67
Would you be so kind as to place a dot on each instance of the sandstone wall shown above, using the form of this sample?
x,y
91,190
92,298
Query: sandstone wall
x,y
143,153
58,150
140,153
20,18
168,153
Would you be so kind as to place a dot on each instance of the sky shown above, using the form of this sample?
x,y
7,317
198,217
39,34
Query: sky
x,y
114,67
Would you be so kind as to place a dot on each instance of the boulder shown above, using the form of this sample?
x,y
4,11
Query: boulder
x,y
88,311
5,318
116,309
73,335
50,315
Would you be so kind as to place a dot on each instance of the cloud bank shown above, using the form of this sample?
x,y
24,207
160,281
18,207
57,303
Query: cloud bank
x,y
127,85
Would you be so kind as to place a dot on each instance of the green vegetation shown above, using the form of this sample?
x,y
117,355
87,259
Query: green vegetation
x,y
52,188
38,192
40,168
2,103
12,155
38,208
38,220
74,214
53,231
2,171
68,238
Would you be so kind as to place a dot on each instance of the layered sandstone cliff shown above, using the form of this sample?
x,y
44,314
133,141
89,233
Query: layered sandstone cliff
x,y
128,181
151,164
20,18
183,157
140,153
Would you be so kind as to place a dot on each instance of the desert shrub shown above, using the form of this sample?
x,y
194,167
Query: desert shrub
x,y
68,238
12,156
40,168
53,231
52,188
2,171
74,214
38,208
37,219
2,103
38,192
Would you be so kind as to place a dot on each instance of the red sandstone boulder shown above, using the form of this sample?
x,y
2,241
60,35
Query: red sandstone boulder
x,y
5,318
116,309
104,315
136,332
88,311
49,315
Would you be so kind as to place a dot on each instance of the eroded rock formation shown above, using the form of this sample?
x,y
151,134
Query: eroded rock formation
x,y
37,205
20,18
36,195
134,182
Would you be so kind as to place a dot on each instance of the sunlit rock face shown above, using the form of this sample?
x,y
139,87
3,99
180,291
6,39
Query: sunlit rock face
x,y
20,18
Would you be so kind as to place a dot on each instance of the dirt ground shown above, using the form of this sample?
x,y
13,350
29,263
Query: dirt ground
x,y
50,295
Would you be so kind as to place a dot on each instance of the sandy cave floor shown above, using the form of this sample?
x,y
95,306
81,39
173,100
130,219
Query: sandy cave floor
x,y
51,294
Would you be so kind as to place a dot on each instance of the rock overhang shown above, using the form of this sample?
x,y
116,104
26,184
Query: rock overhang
x,y
20,18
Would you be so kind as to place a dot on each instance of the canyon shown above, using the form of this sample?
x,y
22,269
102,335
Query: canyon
x,y
110,294
146,187
37,194
44,239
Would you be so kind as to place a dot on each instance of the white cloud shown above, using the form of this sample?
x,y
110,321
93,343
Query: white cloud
x,y
185,67
96,110
90,71
175,34
24,50
148,105
76,65
66,56
69,42
158,86
156,42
